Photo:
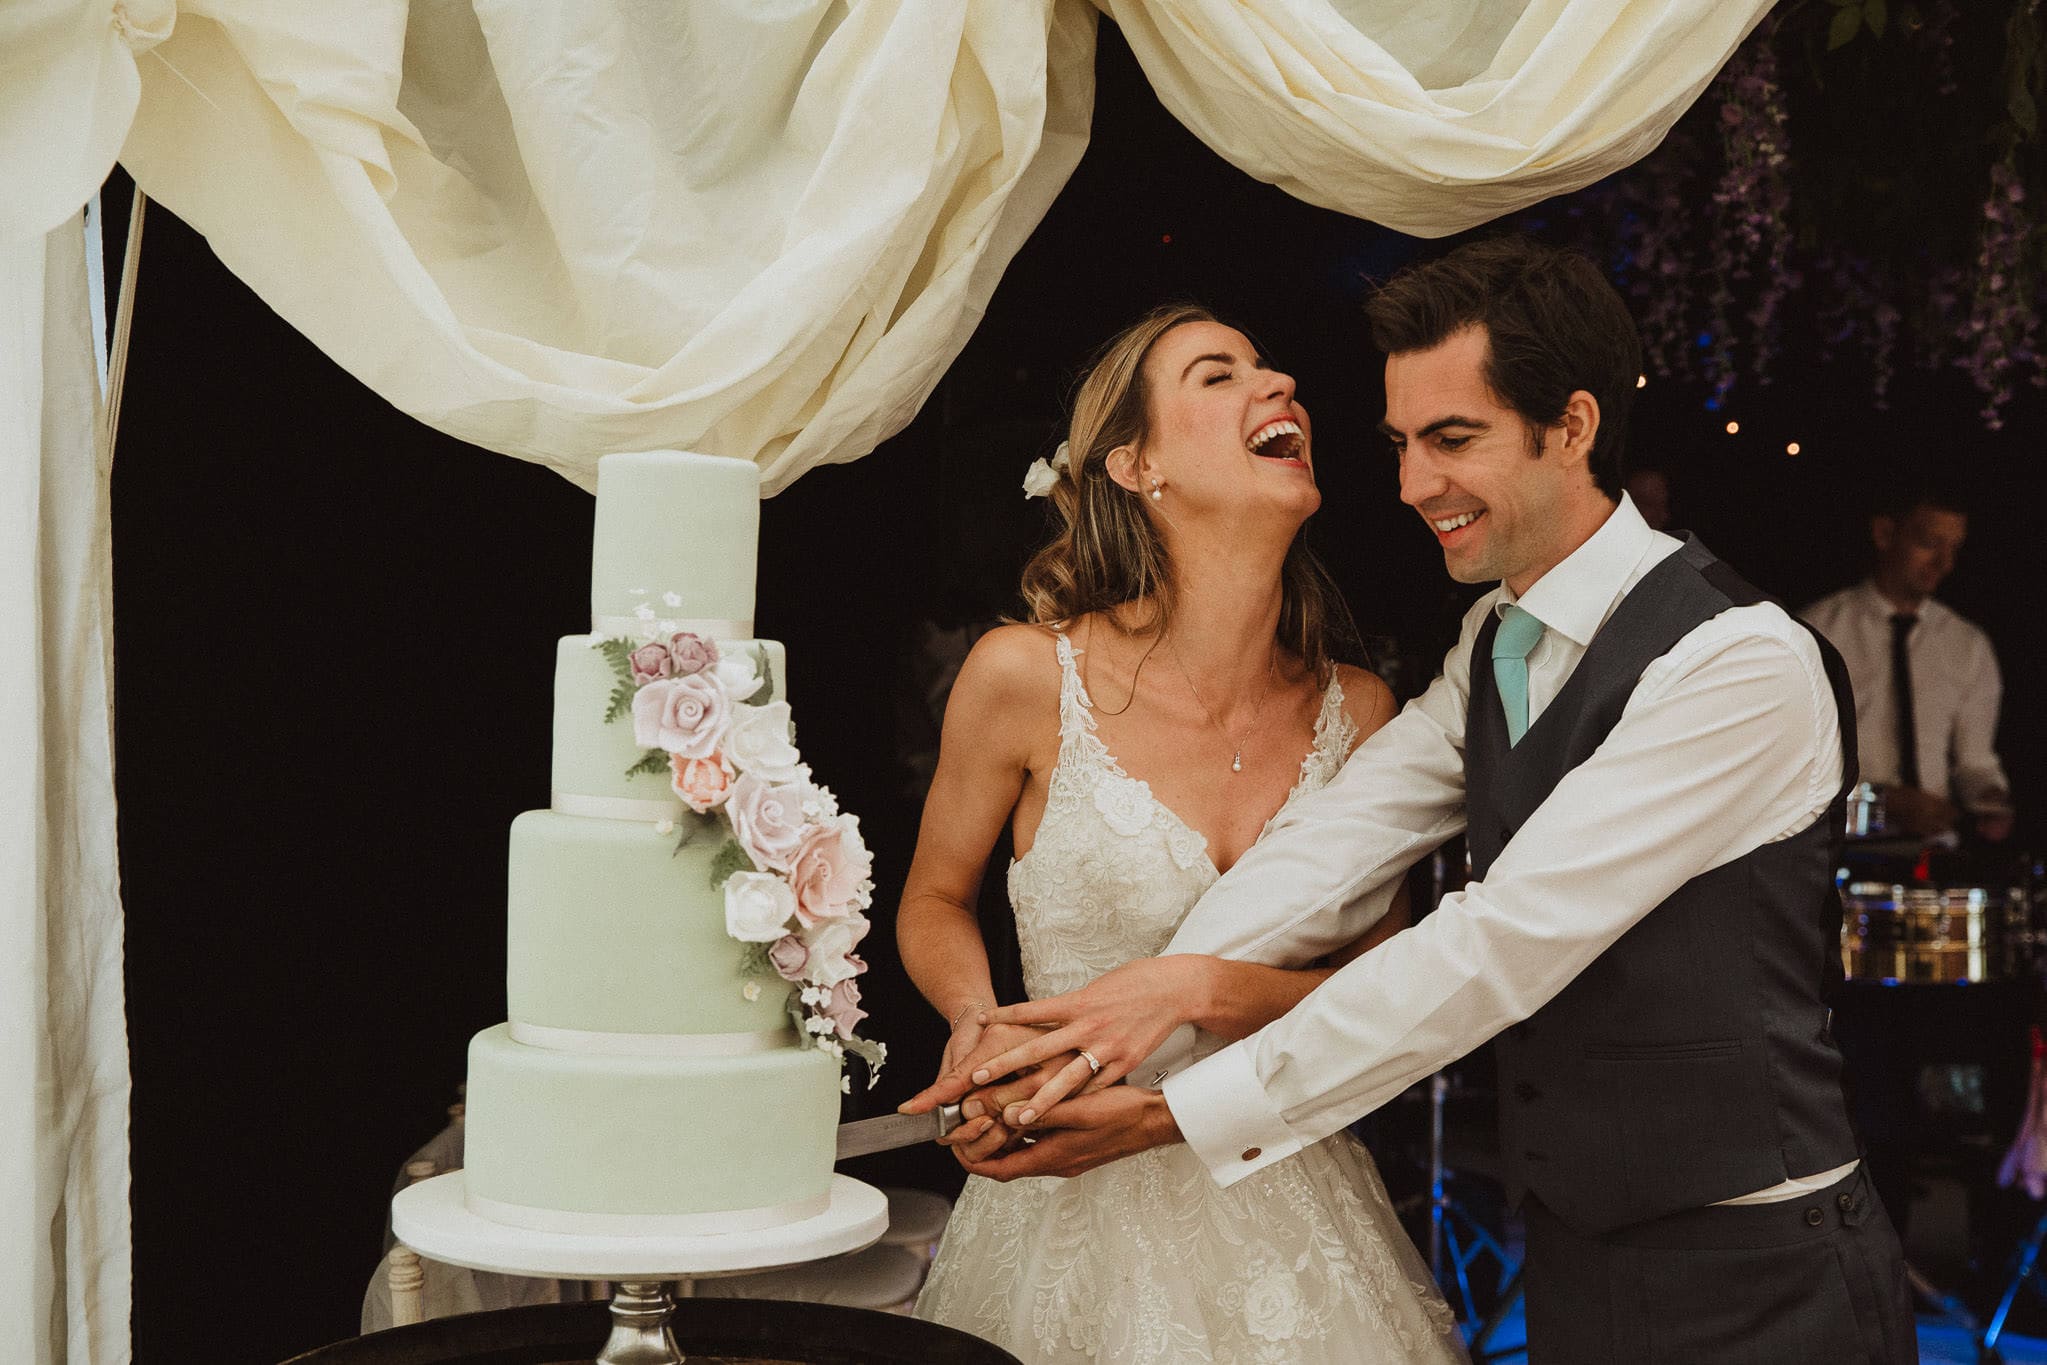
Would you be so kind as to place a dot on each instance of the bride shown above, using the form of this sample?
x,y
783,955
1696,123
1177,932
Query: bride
x,y
1173,694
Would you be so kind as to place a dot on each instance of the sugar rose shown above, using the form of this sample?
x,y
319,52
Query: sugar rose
x,y
832,942
763,742
687,716
789,957
843,1009
830,870
691,653
758,906
702,783
768,818
651,662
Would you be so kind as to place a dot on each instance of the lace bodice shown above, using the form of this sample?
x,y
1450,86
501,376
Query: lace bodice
x,y
1147,1261
1112,870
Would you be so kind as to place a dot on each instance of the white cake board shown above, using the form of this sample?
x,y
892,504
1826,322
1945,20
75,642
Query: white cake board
x,y
433,1220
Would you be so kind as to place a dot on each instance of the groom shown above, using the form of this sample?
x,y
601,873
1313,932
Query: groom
x,y
1650,761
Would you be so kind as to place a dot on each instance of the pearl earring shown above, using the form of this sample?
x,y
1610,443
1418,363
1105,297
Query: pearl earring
x,y
1156,495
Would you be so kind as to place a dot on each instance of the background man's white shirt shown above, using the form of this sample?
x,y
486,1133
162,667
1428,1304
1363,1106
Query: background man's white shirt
x,y
1728,742
1956,690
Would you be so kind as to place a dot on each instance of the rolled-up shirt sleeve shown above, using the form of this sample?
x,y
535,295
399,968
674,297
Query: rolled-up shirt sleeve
x,y
1729,742
1979,779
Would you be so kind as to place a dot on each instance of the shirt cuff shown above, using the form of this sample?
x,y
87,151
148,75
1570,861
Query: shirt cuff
x,y
1226,1117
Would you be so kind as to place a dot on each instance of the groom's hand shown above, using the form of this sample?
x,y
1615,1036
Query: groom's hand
x,y
1087,1131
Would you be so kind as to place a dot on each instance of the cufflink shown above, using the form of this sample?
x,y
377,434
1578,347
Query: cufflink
x,y
1159,1079
1251,1153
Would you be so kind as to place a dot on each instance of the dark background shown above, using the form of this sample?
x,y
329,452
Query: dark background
x,y
335,639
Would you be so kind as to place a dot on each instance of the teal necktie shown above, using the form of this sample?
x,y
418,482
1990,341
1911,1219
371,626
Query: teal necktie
x,y
1517,635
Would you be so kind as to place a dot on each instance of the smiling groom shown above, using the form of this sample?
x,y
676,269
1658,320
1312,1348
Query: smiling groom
x,y
1650,761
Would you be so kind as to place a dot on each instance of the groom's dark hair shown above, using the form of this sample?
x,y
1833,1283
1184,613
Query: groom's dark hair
x,y
1554,325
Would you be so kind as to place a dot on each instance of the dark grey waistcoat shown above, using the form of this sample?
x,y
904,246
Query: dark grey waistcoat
x,y
1690,1062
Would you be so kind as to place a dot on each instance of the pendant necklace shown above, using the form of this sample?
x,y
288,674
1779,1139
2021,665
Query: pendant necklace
x,y
1236,745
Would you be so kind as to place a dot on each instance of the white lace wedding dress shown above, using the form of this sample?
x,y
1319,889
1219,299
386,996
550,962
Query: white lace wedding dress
x,y
1147,1259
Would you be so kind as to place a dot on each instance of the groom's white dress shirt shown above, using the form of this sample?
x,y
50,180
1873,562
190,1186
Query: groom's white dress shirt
x,y
1728,742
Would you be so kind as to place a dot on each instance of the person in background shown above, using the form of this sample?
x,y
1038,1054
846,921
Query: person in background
x,y
1650,488
1926,682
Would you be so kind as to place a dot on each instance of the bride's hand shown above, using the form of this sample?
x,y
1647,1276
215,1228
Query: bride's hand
x,y
1119,1019
972,1045
982,1135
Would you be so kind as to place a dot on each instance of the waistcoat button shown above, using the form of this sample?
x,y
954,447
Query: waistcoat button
x,y
1813,1218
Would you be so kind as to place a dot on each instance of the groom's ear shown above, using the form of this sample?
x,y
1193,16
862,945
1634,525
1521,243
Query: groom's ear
x,y
1579,427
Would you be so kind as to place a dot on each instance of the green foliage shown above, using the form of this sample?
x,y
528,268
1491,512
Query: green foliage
x,y
754,962
870,1052
691,825
652,761
765,693
730,858
619,654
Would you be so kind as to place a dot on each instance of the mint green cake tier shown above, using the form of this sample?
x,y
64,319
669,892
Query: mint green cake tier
x,y
672,522
579,1143
611,930
591,756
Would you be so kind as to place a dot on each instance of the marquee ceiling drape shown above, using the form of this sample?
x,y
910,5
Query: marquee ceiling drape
x,y
758,228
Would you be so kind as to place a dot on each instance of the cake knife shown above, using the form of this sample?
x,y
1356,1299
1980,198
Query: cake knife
x,y
896,1130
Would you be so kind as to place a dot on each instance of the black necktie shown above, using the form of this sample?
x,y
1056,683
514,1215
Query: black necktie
x,y
1901,689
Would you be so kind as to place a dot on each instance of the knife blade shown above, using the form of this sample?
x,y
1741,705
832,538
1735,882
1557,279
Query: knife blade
x,y
863,1136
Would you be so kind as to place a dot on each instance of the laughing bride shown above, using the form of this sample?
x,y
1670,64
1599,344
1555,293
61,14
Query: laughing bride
x,y
1173,693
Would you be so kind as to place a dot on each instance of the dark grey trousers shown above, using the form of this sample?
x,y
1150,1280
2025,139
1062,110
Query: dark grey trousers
x,y
1818,1280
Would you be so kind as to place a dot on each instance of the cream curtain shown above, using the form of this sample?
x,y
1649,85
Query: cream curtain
x,y
760,228
1431,118
64,1279
757,229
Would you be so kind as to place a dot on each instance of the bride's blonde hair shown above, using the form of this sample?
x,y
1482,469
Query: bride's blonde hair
x,y
1106,551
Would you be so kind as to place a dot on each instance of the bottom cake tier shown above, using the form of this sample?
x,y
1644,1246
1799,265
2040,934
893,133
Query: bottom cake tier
x,y
658,1146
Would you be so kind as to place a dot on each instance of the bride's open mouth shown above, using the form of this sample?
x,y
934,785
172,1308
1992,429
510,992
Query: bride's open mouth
x,y
1280,441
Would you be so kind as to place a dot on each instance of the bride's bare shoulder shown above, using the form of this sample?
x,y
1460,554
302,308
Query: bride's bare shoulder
x,y
1367,700
1011,666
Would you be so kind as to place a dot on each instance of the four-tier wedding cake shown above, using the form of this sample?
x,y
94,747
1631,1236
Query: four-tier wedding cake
x,y
681,980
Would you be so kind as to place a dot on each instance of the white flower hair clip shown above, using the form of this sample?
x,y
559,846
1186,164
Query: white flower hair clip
x,y
1041,476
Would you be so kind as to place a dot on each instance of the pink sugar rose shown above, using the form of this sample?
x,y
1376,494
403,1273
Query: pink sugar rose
x,y
843,1009
687,716
831,944
692,653
768,819
702,783
829,870
789,957
651,663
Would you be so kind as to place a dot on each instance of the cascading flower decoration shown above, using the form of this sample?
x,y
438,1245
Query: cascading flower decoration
x,y
796,875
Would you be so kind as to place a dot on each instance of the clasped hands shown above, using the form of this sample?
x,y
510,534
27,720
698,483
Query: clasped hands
x,y
1030,1101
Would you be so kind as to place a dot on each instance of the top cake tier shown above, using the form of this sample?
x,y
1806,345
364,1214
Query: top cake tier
x,y
680,524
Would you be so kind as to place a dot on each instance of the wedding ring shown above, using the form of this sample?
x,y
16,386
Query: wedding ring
x,y
1094,1066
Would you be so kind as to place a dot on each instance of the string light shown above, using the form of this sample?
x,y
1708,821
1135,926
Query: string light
x,y
1733,427
1641,381
1791,449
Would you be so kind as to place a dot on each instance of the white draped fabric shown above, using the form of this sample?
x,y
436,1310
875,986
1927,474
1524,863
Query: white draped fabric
x,y
756,230
759,228
64,1287
1431,118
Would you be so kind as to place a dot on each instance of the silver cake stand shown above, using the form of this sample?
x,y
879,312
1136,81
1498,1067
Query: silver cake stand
x,y
433,1219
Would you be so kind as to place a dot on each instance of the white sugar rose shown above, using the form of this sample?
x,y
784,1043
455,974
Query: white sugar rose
x,y
737,675
832,942
768,818
687,716
758,906
762,741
